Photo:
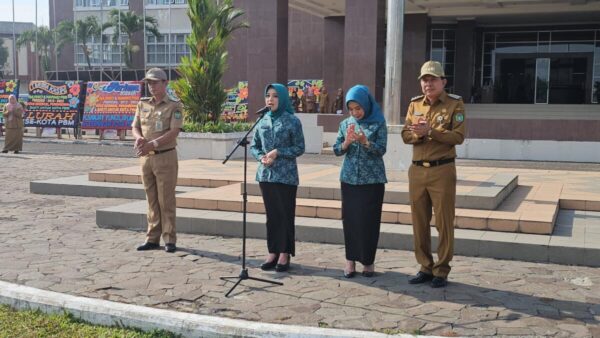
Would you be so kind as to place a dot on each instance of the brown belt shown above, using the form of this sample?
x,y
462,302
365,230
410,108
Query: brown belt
x,y
428,164
156,152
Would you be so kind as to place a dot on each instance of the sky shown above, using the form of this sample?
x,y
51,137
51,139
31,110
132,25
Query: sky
x,y
25,11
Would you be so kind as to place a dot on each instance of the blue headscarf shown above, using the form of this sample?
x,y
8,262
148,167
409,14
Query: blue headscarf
x,y
284,100
360,94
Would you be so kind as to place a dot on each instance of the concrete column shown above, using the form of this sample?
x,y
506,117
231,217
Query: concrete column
x,y
409,56
463,58
393,62
415,53
138,58
364,45
333,59
267,57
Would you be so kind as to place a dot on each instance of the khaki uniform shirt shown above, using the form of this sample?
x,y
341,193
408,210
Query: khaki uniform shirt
x,y
157,118
447,119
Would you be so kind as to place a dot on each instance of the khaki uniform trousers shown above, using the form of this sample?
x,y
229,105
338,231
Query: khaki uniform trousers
x,y
433,187
159,175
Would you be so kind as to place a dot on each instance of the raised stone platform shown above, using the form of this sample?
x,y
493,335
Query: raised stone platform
x,y
565,246
318,181
486,199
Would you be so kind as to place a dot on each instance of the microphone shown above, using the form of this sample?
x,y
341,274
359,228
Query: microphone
x,y
263,110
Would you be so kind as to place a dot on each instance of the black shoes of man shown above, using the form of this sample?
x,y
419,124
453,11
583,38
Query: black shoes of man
x,y
422,277
169,247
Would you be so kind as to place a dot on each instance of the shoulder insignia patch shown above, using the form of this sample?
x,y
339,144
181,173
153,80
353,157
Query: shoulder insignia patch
x,y
177,115
454,96
417,97
459,117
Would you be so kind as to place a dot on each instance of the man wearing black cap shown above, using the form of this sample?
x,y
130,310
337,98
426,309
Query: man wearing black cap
x,y
435,124
155,127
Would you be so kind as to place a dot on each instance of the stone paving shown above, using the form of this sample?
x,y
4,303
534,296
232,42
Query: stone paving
x,y
53,243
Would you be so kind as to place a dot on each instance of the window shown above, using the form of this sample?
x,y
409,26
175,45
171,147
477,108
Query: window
x,y
158,49
101,3
167,2
442,51
596,74
111,53
544,44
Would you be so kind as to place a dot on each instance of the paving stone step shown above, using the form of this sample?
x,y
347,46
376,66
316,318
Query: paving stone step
x,y
530,209
521,212
486,194
476,243
82,186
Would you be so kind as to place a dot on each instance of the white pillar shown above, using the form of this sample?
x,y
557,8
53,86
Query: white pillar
x,y
398,155
393,61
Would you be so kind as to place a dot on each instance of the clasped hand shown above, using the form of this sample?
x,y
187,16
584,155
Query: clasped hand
x,y
421,129
352,136
269,158
142,147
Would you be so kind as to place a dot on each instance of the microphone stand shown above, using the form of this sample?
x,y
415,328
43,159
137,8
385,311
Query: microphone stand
x,y
244,271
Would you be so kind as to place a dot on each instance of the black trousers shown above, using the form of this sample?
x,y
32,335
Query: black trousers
x,y
361,216
280,205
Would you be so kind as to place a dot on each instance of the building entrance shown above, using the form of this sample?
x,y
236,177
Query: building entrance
x,y
543,78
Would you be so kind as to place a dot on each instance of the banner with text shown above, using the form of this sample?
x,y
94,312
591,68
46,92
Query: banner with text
x,y
235,107
110,105
54,104
7,88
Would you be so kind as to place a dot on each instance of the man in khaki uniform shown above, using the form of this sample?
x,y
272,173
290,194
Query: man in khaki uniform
x,y
156,125
435,123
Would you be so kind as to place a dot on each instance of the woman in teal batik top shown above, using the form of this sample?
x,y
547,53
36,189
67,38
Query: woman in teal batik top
x,y
362,138
278,140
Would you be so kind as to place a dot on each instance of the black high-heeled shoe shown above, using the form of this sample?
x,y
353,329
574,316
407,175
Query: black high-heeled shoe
x,y
283,267
349,274
269,265
371,273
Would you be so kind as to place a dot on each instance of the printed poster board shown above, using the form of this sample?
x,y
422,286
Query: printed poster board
x,y
7,88
110,105
54,104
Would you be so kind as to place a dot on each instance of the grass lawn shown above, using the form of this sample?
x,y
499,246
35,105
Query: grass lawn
x,y
37,324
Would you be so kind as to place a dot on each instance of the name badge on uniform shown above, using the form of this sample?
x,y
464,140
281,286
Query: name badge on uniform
x,y
159,125
417,113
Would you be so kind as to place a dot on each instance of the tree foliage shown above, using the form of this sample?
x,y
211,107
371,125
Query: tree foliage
x,y
199,86
80,32
129,23
42,39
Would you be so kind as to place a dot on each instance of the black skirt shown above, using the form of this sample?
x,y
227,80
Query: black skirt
x,y
280,205
361,216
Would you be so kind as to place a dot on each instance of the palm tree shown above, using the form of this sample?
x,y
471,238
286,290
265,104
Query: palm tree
x,y
81,31
43,43
199,87
129,23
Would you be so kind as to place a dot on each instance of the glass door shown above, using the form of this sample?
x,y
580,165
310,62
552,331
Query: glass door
x,y
542,80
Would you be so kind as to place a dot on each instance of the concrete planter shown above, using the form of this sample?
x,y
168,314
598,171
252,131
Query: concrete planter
x,y
313,133
215,146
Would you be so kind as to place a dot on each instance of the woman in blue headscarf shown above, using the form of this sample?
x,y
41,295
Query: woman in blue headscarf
x,y
362,137
277,141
